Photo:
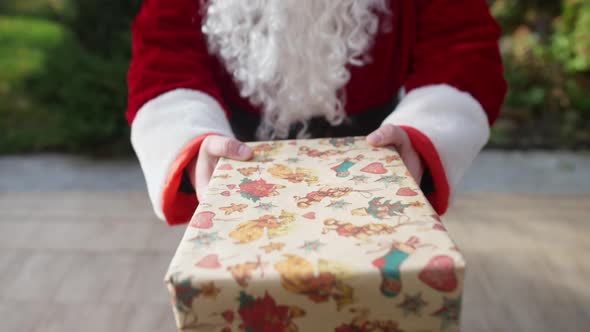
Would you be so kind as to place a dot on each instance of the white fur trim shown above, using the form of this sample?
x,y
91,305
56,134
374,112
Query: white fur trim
x,y
454,121
164,126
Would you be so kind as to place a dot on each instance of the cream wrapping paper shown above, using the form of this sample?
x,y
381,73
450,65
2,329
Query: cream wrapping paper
x,y
316,235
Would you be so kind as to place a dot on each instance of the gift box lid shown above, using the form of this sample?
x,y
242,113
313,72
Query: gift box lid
x,y
328,230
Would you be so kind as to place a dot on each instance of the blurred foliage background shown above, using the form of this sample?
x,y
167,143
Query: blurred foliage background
x,y
63,65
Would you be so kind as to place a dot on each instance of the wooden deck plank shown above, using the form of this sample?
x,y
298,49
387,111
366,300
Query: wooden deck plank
x,y
526,264
94,261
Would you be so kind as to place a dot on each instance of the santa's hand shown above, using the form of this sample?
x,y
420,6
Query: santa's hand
x,y
389,134
212,148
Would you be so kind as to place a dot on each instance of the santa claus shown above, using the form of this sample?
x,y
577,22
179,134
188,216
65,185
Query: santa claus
x,y
207,75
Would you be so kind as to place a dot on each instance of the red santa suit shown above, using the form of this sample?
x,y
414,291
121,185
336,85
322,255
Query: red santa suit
x,y
444,53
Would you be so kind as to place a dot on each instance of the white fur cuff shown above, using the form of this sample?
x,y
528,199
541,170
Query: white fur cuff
x,y
454,121
164,126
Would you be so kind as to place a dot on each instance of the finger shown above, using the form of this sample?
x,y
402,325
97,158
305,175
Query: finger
x,y
414,164
203,171
387,134
192,171
219,146
410,156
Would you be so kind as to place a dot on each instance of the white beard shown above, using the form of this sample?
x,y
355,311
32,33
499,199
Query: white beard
x,y
291,57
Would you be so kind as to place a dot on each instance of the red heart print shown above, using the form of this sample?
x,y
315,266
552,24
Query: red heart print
x,y
439,274
309,215
225,193
228,315
209,262
203,220
374,168
439,227
231,186
225,167
405,191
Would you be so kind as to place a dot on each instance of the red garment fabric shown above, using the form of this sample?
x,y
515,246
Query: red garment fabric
x,y
439,198
178,207
453,42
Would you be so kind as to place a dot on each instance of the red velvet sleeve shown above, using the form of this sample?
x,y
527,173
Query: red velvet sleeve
x,y
169,52
457,44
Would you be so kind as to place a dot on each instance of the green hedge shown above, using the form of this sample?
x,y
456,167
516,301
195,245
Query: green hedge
x,y
546,50
63,65
24,47
87,94
90,69
76,98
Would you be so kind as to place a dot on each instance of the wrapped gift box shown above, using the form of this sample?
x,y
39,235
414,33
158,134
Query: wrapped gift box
x,y
316,235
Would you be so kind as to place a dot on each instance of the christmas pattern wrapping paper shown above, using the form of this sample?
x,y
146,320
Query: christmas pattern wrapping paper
x,y
316,235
